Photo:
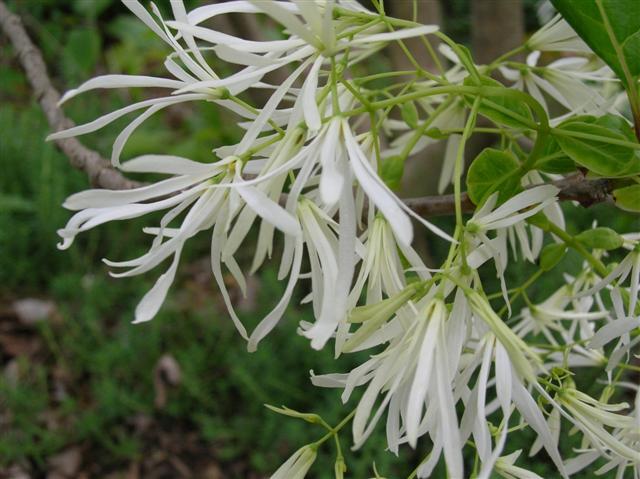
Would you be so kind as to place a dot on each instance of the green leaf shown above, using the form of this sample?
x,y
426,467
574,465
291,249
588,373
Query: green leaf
x,y
391,171
614,37
551,255
493,170
501,109
409,114
628,198
600,238
554,160
589,143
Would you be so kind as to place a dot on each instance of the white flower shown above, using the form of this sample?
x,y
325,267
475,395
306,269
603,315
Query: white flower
x,y
520,207
414,370
297,466
312,40
505,466
510,214
203,192
557,35
381,275
594,418
564,80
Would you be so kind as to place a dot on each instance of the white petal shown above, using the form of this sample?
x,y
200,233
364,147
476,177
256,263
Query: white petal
x,y
99,198
168,165
266,112
422,376
331,180
124,135
287,19
613,330
121,81
311,15
239,57
384,200
200,14
448,421
326,325
151,303
180,15
522,200
269,210
532,415
114,115
397,35
217,241
271,320
146,18
309,91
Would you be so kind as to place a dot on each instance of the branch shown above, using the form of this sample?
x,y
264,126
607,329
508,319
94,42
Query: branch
x,y
572,188
99,170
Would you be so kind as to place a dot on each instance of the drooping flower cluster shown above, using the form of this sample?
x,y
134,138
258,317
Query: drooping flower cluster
x,y
448,360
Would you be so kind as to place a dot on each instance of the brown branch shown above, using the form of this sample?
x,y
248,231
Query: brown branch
x,y
572,188
99,170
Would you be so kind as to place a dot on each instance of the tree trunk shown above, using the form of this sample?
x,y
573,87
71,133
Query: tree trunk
x,y
429,12
497,26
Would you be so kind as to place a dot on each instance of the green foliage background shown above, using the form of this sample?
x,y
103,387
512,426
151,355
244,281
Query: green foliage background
x,y
107,362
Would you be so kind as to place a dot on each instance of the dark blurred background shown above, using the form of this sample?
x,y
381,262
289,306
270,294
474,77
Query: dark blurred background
x,y
83,393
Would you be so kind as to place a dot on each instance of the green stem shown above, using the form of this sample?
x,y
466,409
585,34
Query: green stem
x,y
494,64
570,241
406,151
541,114
521,290
335,430
458,167
471,68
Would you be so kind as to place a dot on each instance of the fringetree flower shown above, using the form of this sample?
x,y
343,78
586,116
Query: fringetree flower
x,y
565,81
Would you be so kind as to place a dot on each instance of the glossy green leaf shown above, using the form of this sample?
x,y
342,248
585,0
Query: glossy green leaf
x,y
600,238
502,109
491,171
592,143
628,198
551,255
554,160
392,170
615,37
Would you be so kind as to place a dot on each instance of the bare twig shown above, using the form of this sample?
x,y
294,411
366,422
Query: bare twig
x,y
98,169
573,188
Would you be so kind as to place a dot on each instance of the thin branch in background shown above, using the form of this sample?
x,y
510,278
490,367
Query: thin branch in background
x,y
572,188
99,170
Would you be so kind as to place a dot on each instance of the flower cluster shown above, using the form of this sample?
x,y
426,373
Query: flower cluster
x,y
313,171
